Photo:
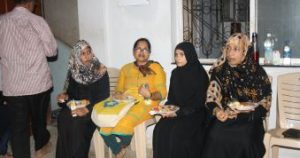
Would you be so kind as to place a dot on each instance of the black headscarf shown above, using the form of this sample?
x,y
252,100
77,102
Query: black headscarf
x,y
247,82
188,83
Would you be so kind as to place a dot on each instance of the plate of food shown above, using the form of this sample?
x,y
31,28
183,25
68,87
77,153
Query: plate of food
x,y
242,106
74,104
163,109
124,98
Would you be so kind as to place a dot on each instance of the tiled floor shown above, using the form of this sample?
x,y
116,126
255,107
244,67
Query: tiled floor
x,y
53,131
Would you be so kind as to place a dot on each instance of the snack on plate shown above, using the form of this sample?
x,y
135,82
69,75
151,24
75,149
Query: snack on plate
x,y
234,104
242,106
74,104
163,109
125,98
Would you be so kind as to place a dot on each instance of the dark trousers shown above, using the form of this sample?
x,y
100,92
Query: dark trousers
x,y
26,109
4,125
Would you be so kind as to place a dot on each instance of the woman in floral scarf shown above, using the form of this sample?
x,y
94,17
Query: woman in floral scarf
x,y
237,80
87,81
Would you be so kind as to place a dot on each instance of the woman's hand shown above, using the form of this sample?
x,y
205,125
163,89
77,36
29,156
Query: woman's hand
x,y
80,112
144,91
101,70
118,96
232,113
169,115
62,97
221,115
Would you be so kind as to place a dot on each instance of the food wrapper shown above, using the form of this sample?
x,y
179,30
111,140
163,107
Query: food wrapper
x,y
75,104
163,109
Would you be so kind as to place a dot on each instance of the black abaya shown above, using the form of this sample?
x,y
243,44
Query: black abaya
x,y
75,133
240,137
181,136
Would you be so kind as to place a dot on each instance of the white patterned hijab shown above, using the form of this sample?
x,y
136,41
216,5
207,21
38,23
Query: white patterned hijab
x,y
81,73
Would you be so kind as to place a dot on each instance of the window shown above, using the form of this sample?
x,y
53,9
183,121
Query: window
x,y
282,20
208,23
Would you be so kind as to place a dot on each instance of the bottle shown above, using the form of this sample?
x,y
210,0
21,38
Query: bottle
x,y
255,53
276,57
268,47
286,53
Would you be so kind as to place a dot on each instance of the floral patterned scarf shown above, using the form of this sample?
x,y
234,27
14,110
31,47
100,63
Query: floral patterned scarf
x,y
83,74
247,82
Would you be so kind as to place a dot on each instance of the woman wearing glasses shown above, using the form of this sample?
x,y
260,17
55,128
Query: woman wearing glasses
x,y
143,79
238,97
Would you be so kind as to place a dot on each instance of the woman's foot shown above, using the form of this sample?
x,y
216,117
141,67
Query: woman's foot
x,y
122,153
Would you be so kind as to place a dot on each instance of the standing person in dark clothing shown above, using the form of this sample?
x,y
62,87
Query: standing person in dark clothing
x,y
4,126
176,135
87,79
26,42
237,81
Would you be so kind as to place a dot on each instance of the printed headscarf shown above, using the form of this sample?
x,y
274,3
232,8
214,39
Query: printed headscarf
x,y
246,82
83,74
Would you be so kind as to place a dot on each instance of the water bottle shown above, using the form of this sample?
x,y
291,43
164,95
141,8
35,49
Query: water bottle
x,y
255,53
286,53
268,47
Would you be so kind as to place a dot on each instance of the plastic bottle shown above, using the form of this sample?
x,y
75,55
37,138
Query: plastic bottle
x,y
276,57
268,47
255,53
286,53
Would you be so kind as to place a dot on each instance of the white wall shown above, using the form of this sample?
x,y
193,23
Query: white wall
x,y
128,23
112,29
59,71
92,26
62,16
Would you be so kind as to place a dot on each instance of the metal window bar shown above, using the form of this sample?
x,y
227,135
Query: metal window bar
x,y
207,23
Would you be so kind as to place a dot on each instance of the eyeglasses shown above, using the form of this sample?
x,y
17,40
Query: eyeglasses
x,y
235,49
144,50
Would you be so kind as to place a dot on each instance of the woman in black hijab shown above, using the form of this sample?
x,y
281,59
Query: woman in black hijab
x,y
179,134
234,131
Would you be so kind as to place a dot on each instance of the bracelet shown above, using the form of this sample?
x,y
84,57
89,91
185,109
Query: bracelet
x,y
149,96
215,111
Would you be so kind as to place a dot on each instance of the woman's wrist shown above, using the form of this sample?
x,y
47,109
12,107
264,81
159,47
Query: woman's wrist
x,y
155,96
149,96
216,110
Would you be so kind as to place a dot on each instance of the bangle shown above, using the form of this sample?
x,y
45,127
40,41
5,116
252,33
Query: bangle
x,y
215,111
149,96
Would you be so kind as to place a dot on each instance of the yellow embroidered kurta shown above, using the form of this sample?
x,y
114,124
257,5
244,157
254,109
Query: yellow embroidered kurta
x,y
129,81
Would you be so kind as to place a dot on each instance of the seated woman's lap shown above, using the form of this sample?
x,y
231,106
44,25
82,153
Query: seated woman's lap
x,y
241,134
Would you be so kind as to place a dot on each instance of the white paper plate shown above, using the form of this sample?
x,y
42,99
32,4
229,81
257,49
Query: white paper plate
x,y
247,107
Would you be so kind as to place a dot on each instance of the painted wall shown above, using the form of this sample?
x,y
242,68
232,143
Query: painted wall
x,y
93,26
59,71
62,17
118,26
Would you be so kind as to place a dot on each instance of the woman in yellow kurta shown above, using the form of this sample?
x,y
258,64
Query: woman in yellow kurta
x,y
146,81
